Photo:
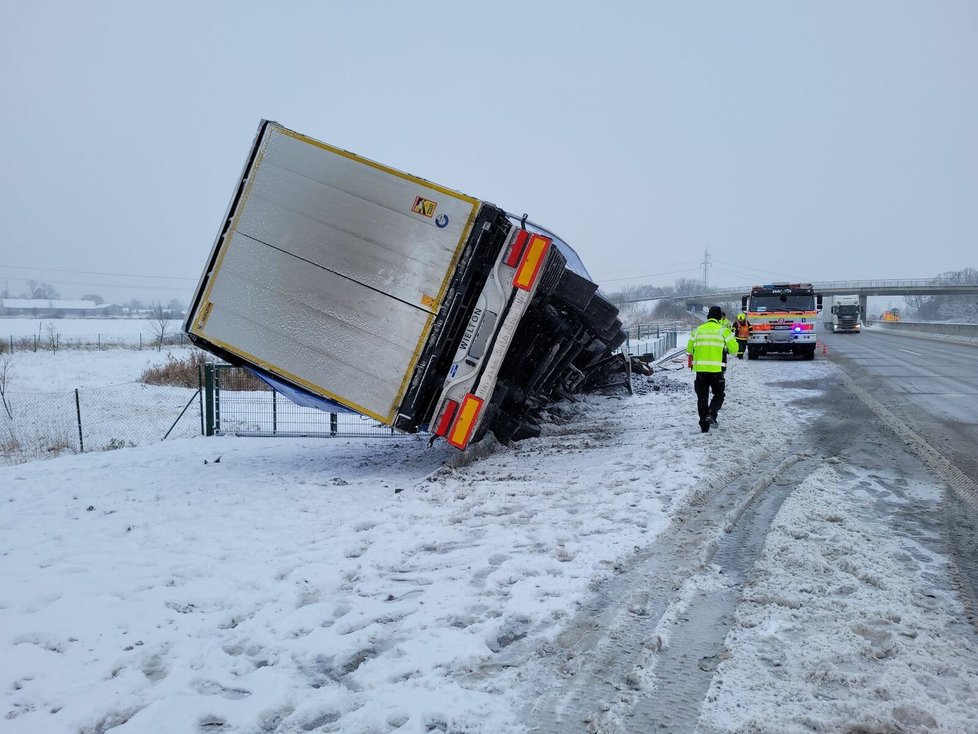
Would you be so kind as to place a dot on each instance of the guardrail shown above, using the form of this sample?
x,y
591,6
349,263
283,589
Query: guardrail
x,y
966,331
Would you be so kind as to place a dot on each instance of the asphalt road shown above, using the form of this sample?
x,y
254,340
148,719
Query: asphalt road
x,y
931,385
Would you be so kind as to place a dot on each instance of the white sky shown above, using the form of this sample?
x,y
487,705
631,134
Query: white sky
x,y
820,141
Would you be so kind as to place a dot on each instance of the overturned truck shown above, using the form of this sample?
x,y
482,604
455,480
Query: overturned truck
x,y
349,286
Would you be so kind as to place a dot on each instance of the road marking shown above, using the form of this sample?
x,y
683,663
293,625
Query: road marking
x,y
909,352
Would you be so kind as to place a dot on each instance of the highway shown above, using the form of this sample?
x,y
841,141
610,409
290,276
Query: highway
x,y
929,384
931,387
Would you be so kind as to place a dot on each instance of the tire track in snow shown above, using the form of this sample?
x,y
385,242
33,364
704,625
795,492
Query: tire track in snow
x,y
679,595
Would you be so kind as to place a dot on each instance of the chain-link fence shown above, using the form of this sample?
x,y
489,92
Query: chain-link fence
x,y
36,425
238,403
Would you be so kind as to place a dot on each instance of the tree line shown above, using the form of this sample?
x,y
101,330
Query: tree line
x,y
948,308
37,290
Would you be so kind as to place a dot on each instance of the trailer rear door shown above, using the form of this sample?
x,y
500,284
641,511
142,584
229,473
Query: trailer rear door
x,y
331,270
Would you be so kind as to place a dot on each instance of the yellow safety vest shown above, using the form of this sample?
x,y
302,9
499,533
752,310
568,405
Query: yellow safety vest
x,y
706,344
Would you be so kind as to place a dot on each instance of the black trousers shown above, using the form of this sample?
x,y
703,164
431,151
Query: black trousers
x,y
704,383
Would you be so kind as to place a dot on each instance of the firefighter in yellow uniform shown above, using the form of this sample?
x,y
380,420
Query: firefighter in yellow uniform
x,y
704,354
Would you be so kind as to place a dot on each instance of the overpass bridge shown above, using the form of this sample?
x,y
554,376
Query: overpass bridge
x,y
861,288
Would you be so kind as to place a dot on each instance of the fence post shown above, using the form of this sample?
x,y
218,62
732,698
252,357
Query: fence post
x,y
217,398
81,440
11,343
333,424
274,412
200,394
166,435
209,399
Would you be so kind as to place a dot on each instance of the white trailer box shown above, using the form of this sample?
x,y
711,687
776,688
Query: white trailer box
x,y
366,288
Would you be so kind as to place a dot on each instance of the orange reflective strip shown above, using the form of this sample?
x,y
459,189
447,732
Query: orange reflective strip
x,y
465,422
532,260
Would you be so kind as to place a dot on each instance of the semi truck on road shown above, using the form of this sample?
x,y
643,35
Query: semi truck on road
x,y
348,285
846,314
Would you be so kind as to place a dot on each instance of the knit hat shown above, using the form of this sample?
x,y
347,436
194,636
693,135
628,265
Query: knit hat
x,y
714,313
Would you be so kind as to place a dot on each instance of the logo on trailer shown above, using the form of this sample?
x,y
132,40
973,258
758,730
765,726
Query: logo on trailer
x,y
442,221
424,207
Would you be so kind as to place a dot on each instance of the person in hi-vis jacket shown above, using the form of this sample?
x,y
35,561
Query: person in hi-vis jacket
x,y
742,329
704,355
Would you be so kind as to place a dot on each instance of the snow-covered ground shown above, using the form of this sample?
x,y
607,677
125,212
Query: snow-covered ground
x,y
291,585
66,370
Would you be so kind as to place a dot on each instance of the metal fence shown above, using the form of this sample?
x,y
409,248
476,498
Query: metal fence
x,y
238,403
650,340
56,342
37,425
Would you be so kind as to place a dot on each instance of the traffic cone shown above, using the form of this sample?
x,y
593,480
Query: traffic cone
x,y
825,349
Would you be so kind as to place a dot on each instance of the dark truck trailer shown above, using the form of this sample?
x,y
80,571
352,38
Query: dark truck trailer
x,y
350,286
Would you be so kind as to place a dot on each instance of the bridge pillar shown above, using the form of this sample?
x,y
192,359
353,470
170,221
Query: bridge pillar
x,y
862,308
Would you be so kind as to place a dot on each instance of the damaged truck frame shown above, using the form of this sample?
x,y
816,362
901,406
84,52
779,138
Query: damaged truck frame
x,y
347,285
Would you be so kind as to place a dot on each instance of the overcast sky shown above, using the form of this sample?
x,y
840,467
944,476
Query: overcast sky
x,y
802,140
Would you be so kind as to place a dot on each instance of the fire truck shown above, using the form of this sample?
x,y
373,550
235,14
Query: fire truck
x,y
782,318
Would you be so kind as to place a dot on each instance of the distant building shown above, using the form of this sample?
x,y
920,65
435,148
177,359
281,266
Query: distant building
x,y
55,308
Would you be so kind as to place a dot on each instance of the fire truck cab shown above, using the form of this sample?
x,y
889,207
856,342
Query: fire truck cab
x,y
782,318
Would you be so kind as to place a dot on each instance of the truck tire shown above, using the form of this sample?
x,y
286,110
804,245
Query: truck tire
x,y
600,314
809,352
574,290
752,351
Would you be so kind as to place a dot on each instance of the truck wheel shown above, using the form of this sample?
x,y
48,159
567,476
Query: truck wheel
x,y
751,351
809,352
600,314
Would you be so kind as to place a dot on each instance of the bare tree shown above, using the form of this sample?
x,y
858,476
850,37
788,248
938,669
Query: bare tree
x,y
43,290
160,325
6,376
51,336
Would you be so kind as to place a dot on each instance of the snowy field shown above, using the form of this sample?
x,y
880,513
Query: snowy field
x,y
65,370
293,585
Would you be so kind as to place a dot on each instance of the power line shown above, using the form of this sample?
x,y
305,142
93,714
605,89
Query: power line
x,y
130,286
648,275
93,272
765,273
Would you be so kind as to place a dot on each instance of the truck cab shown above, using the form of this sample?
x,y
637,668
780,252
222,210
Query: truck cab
x,y
846,314
782,318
